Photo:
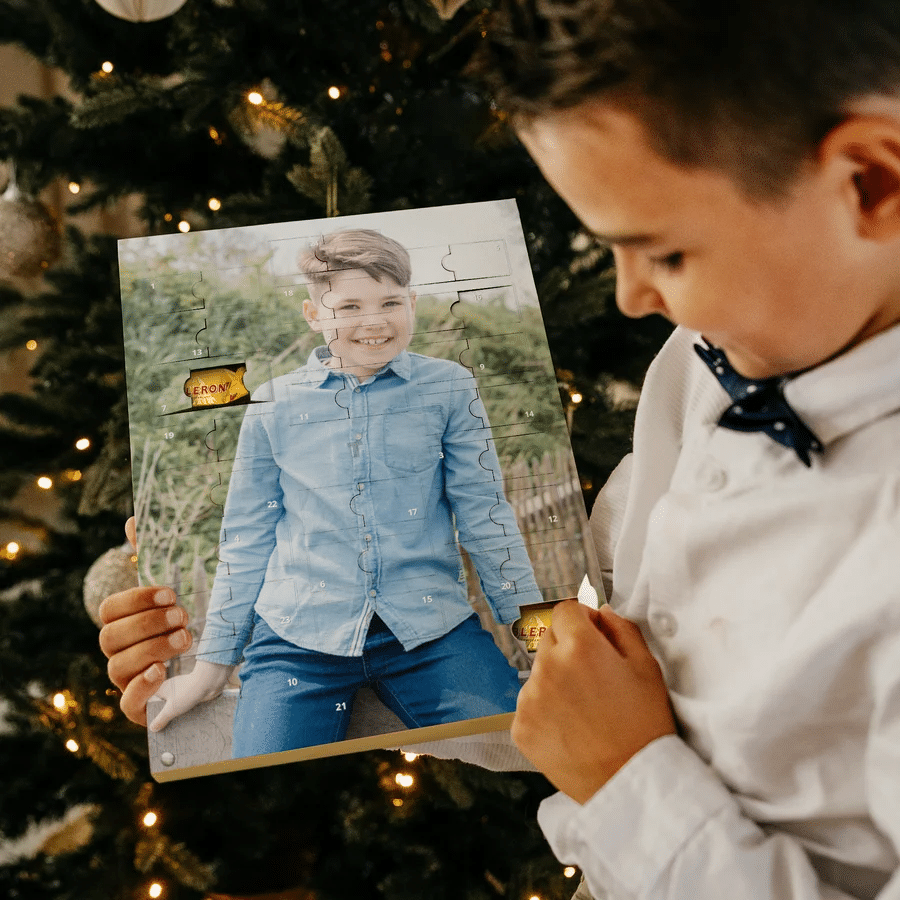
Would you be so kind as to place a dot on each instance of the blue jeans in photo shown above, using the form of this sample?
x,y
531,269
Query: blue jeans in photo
x,y
292,698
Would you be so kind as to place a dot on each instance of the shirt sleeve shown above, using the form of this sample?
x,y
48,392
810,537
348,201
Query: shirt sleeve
x,y
665,826
486,522
253,508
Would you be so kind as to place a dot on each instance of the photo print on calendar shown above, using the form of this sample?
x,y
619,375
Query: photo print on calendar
x,y
351,464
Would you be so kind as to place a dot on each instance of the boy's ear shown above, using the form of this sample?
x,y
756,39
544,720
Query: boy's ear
x,y
311,314
871,145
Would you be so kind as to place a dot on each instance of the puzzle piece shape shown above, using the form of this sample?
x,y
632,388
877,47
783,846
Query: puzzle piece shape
x,y
174,293
284,253
478,259
427,265
488,308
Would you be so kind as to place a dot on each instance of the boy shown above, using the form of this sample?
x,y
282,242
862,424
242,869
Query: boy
x,y
743,162
338,562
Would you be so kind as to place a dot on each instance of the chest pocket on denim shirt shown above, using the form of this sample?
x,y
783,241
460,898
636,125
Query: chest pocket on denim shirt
x,y
412,438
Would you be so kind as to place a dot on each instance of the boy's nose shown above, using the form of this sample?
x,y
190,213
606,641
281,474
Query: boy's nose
x,y
635,295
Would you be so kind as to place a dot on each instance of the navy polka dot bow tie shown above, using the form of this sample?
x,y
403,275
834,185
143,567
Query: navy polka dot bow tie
x,y
759,405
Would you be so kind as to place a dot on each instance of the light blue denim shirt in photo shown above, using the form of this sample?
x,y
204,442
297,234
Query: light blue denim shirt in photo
x,y
350,498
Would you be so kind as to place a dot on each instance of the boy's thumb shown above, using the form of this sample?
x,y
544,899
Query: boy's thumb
x,y
622,633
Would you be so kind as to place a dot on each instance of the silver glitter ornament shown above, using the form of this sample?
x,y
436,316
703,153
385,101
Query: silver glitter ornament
x,y
30,237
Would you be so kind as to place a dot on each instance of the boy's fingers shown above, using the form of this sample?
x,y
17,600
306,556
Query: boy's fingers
x,y
139,690
134,600
127,664
623,634
572,620
131,532
165,715
569,618
136,629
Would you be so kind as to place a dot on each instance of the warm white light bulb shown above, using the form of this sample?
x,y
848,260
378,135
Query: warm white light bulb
x,y
403,779
155,889
215,204
59,701
12,549
31,345
334,92
255,97
107,67
410,757
72,745
184,226
150,819
569,871
576,397
74,187
45,483
82,443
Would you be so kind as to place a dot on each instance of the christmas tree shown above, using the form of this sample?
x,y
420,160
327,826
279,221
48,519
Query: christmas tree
x,y
219,113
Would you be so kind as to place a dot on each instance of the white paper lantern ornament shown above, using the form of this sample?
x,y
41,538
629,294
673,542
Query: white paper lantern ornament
x,y
142,10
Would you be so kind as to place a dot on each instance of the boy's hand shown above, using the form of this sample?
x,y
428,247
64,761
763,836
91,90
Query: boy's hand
x,y
594,698
143,628
184,692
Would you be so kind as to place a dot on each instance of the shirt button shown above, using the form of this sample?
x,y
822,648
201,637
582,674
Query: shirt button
x,y
360,486
711,478
373,593
664,624
368,537
358,437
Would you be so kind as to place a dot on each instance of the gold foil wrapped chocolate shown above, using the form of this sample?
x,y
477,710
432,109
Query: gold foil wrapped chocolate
x,y
221,386
533,624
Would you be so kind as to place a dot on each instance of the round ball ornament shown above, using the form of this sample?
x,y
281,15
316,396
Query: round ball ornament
x,y
142,10
115,571
30,237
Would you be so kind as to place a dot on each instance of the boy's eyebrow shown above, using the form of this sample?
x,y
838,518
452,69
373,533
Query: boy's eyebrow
x,y
626,240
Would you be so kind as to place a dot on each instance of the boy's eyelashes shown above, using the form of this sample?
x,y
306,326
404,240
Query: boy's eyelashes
x,y
352,307
669,262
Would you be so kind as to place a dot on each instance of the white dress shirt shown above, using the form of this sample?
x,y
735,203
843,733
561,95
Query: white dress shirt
x,y
770,593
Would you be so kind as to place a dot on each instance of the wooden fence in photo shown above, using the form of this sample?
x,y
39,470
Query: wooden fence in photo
x,y
549,506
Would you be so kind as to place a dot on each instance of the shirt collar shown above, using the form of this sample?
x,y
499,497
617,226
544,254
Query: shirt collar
x,y
400,365
851,390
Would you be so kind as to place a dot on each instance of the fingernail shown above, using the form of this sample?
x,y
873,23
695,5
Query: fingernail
x,y
156,672
164,597
175,616
179,639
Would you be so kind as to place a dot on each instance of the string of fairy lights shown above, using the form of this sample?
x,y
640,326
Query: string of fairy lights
x,y
12,549
255,99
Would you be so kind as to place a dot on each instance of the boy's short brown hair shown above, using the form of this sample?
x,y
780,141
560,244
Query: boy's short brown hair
x,y
748,87
370,251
